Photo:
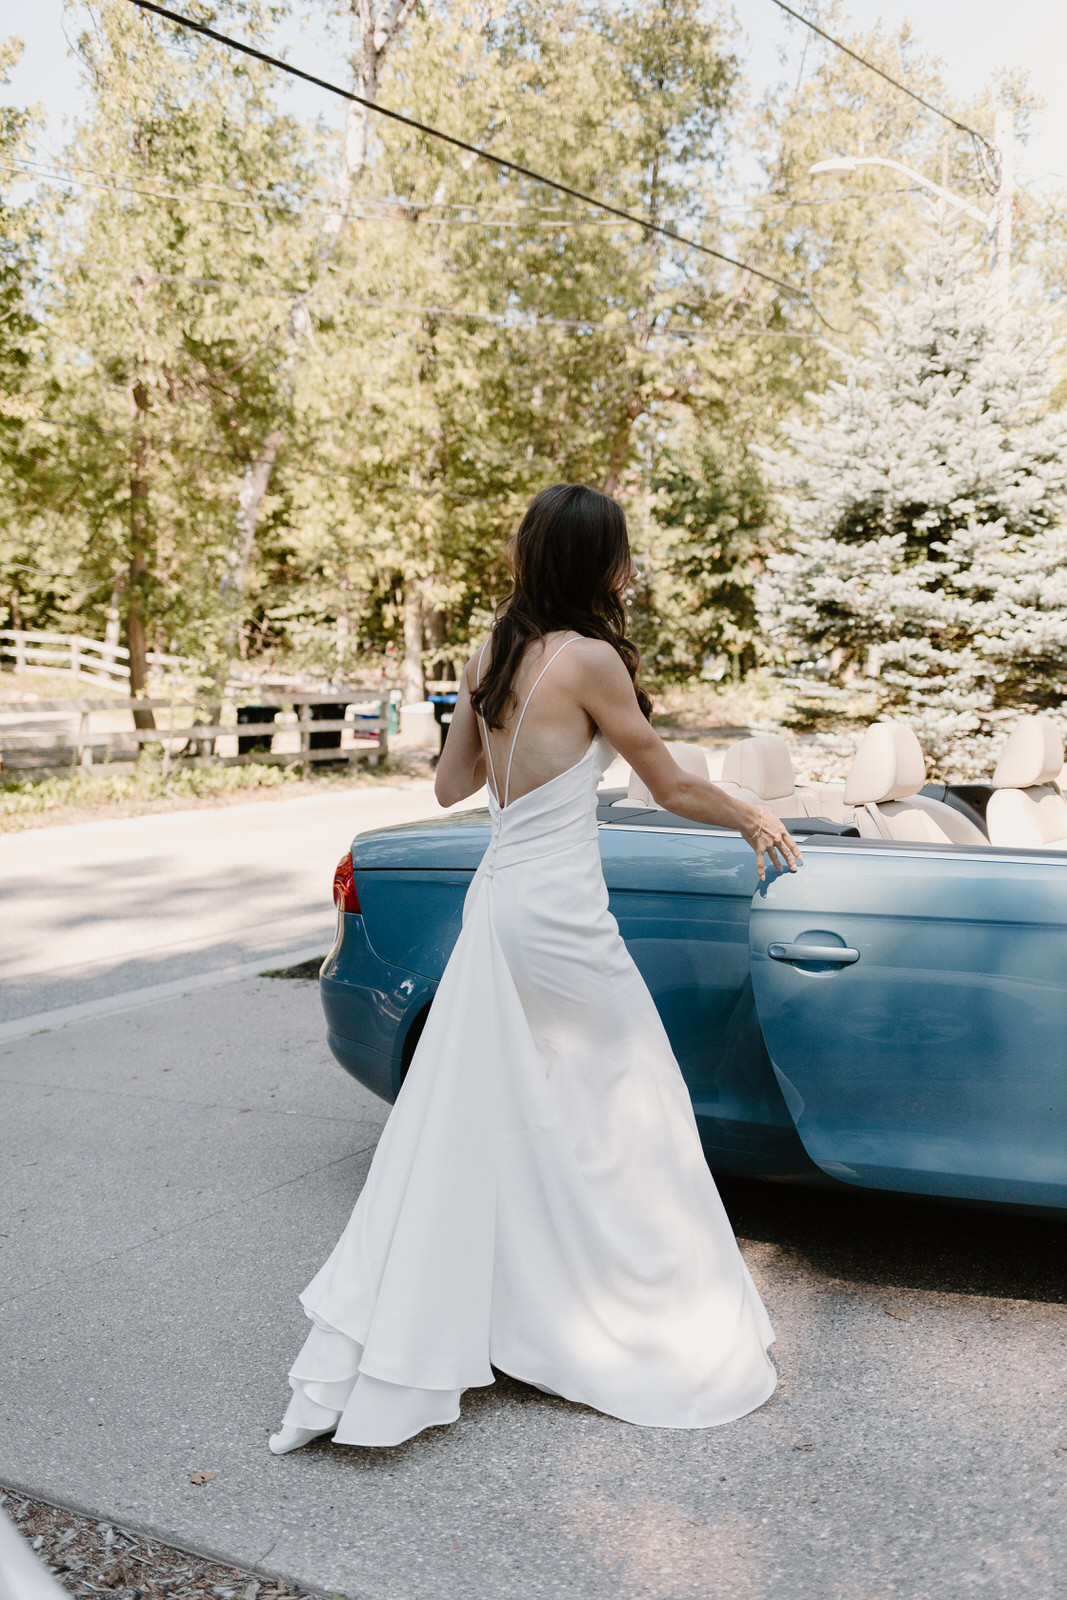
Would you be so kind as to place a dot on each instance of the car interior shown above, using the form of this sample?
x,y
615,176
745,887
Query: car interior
x,y
885,794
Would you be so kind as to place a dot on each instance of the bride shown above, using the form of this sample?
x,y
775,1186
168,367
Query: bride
x,y
539,1201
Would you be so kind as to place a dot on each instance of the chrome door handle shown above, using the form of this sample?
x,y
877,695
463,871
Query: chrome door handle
x,y
840,954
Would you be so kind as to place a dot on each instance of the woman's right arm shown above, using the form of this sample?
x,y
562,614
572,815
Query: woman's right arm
x,y
606,693
461,767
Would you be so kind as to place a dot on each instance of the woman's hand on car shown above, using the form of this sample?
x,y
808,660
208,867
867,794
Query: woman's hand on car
x,y
772,841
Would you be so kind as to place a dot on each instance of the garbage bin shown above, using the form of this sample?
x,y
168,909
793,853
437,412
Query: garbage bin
x,y
247,743
443,707
367,719
326,713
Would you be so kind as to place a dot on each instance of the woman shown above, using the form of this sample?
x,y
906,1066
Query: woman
x,y
539,1200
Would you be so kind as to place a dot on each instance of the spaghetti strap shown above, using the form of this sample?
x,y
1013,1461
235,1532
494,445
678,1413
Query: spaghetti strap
x,y
481,719
522,713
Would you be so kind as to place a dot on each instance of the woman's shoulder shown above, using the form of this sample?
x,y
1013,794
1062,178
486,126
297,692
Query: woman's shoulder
x,y
471,671
591,655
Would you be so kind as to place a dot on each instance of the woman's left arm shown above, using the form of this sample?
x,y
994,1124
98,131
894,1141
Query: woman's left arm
x,y
461,767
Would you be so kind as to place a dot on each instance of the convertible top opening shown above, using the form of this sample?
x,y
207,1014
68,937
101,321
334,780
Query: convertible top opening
x,y
612,810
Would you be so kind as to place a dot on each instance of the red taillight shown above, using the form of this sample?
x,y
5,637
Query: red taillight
x,y
344,885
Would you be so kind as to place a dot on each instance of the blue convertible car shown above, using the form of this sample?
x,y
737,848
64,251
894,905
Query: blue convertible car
x,y
892,1016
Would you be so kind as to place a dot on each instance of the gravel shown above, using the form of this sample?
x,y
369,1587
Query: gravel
x,y
88,1558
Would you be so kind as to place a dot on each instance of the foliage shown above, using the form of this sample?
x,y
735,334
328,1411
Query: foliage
x,y
18,327
925,499
93,790
163,350
540,342
267,392
711,508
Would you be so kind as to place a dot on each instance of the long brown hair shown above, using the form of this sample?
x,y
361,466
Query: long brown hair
x,y
569,559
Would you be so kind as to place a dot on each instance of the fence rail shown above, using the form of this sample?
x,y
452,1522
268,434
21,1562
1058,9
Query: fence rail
x,y
76,654
50,735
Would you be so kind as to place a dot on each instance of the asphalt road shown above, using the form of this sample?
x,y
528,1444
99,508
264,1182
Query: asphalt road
x,y
174,1174
102,908
171,1174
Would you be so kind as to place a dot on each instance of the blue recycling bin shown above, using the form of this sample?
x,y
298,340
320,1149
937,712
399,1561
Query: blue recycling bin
x,y
443,707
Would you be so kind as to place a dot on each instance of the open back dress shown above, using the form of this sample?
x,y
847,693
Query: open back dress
x,y
539,1201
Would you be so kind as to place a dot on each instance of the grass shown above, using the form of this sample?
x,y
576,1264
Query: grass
x,y
707,709
822,726
87,795
22,689
304,971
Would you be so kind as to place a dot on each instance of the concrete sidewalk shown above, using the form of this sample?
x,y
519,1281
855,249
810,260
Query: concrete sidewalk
x,y
175,1174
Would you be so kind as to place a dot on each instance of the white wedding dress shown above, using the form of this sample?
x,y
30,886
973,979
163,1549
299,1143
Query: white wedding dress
x,y
539,1201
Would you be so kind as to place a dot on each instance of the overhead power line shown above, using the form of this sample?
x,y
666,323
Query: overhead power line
x,y
395,208
393,216
928,105
500,162
238,465
514,320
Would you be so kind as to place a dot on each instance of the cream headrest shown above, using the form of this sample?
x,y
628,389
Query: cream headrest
x,y
1032,756
762,764
889,765
691,758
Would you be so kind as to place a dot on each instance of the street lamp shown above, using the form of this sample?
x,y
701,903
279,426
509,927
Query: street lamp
x,y
845,164
997,220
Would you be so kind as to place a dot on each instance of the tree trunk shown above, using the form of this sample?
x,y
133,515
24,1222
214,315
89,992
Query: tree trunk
x,y
234,583
137,573
412,677
246,518
113,627
378,27
433,632
620,444
16,610
634,404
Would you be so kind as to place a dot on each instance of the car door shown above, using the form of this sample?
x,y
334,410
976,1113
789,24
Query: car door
x,y
681,898
914,1004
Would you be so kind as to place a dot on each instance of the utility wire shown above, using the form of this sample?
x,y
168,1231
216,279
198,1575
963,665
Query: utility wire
x,y
191,193
514,320
430,491
476,150
396,207
928,105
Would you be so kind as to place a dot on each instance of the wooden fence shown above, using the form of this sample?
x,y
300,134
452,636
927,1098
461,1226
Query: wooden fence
x,y
49,735
78,655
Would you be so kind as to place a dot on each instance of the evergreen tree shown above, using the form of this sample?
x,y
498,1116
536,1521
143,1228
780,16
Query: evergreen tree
x,y
167,312
710,510
22,577
924,500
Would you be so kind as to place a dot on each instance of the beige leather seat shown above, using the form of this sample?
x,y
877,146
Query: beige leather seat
x,y
825,800
690,757
1028,810
761,769
882,792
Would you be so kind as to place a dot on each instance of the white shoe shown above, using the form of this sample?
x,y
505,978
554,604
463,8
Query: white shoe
x,y
287,1438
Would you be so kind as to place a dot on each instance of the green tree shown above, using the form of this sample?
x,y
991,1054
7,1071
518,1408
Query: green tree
x,y
712,508
922,498
169,309
575,335
22,577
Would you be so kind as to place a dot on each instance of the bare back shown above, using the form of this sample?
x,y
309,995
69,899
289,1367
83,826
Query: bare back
x,y
546,731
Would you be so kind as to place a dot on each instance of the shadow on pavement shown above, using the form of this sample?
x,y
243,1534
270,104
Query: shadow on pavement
x,y
906,1243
